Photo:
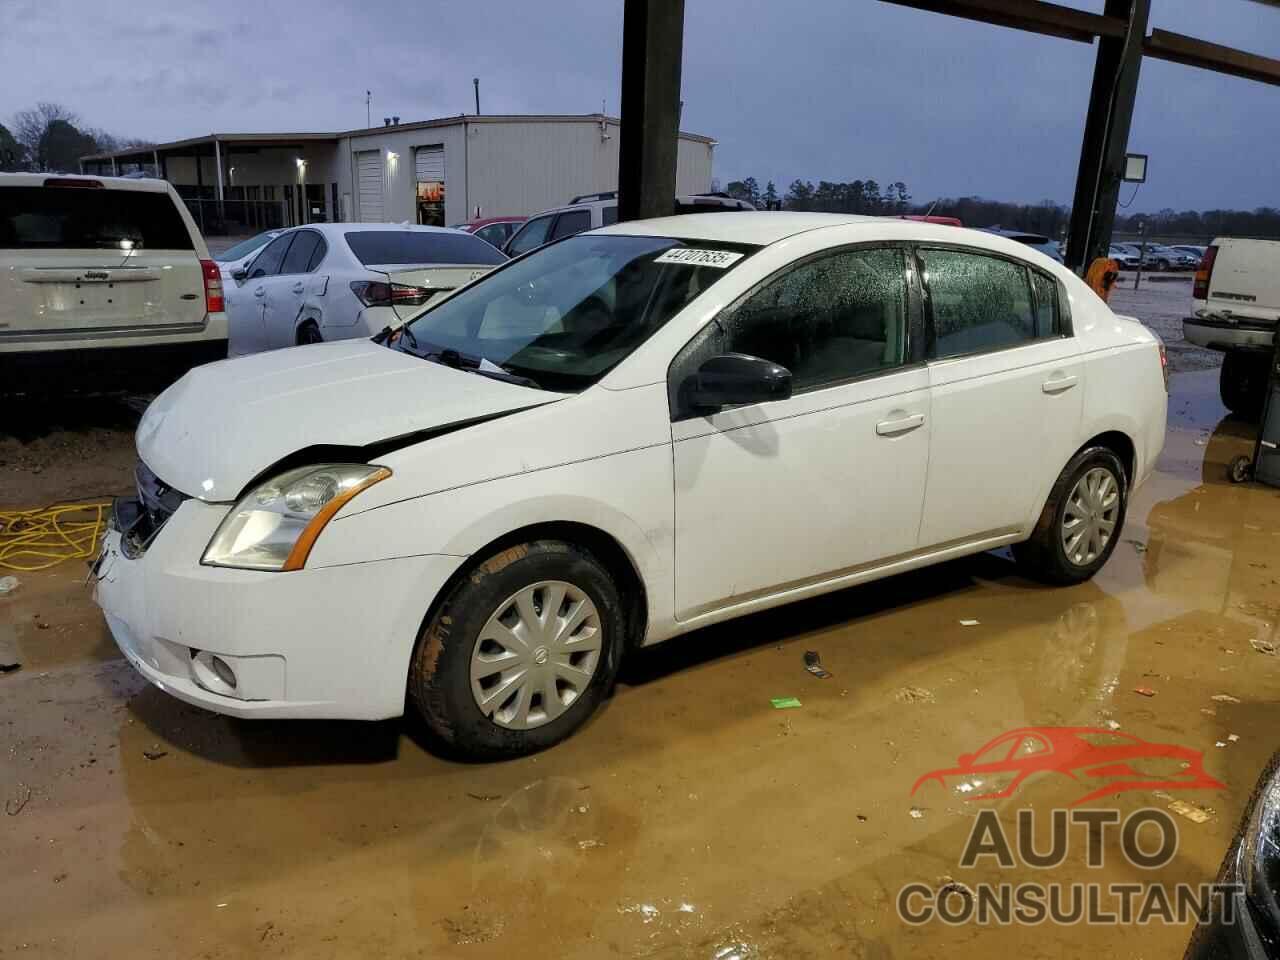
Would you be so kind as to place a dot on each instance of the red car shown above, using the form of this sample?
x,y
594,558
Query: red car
x,y
1089,755
494,230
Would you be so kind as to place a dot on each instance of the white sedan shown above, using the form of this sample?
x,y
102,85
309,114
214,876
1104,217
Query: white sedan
x,y
610,442
338,281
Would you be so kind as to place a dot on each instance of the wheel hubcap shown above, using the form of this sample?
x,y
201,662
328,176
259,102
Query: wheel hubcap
x,y
1089,520
536,655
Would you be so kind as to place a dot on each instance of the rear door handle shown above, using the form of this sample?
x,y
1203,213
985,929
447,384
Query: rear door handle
x,y
890,428
260,292
297,287
1058,384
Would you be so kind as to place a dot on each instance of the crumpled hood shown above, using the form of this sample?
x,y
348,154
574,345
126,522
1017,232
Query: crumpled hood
x,y
222,424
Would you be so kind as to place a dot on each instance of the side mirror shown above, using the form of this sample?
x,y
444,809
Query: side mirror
x,y
240,275
735,379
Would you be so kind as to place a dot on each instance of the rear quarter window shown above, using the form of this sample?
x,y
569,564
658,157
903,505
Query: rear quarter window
x,y
397,247
52,218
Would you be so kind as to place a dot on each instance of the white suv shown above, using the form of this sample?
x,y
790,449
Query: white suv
x,y
103,282
594,210
1235,305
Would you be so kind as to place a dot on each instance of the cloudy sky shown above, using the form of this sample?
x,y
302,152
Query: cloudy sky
x,y
818,89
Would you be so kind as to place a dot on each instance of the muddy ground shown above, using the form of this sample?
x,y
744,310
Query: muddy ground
x,y
689,819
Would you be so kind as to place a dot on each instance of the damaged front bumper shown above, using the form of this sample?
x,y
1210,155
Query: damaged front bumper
x,y
330,642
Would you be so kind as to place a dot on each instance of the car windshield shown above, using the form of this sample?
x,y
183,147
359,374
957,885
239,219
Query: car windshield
x,y
401,247
244,247
565,315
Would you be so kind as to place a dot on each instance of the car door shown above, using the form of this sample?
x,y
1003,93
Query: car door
x,y
285,291
1007,384
783,494
246,323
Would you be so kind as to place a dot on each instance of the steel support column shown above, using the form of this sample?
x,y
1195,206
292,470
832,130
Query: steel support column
x,y
1106,134
652,49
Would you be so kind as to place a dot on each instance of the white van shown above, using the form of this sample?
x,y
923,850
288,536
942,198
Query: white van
x,y
104,282
1235,306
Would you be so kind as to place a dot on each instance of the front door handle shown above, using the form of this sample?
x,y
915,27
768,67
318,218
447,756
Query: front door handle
x,y
260,292
891,428
1058,384
297,287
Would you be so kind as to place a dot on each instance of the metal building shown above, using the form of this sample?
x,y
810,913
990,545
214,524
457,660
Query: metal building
x,y
436,171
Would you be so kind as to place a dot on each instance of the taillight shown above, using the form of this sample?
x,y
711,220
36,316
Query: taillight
x,y
213,302
376,293
73,182
1164,366
1204,273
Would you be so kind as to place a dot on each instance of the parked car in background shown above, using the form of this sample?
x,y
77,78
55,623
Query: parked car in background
x,y
1125,255
1195,251
336,281
583,452
494,230
104,282
600,210
1235,304
236,257
1160,257
1042,243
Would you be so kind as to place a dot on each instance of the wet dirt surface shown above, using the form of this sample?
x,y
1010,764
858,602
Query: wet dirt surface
x,y
689,819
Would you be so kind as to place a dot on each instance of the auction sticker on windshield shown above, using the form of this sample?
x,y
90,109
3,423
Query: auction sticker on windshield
x,y
720,259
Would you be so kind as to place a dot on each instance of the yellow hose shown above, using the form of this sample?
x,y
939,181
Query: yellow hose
x,y
39,539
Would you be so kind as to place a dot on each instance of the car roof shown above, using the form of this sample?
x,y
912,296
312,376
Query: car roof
x,y
140,184
746,226
485,221
351,227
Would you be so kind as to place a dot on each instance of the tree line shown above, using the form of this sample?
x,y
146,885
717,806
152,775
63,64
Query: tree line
x,y
1045,217
49,137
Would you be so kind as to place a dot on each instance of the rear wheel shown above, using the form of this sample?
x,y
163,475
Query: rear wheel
x,y
309,332
1081,521
1242,382
520,653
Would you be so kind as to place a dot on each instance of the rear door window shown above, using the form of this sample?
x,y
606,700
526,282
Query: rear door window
x,y
978,303
400,247
1048,323
270,259
571,223
298,259
85,218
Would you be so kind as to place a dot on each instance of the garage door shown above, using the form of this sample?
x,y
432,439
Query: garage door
x,y
369,175
429,164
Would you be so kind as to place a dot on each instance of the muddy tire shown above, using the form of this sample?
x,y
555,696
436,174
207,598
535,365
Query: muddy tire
x,y
1242,383
1081,522
520,652
309,333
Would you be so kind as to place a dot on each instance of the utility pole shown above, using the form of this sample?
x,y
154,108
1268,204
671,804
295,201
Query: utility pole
x,y
652,50
476,81
368,108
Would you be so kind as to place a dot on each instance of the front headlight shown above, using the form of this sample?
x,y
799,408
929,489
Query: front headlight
x,y
275,524
1260,850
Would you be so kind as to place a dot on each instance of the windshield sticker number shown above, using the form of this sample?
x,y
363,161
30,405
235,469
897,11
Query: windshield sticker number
x,y
720,259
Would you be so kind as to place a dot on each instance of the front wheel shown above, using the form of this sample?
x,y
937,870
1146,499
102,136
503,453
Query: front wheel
x,y
520,653
1081,520
309,333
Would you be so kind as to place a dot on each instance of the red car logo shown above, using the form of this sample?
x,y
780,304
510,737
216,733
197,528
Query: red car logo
x,y
1088,755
